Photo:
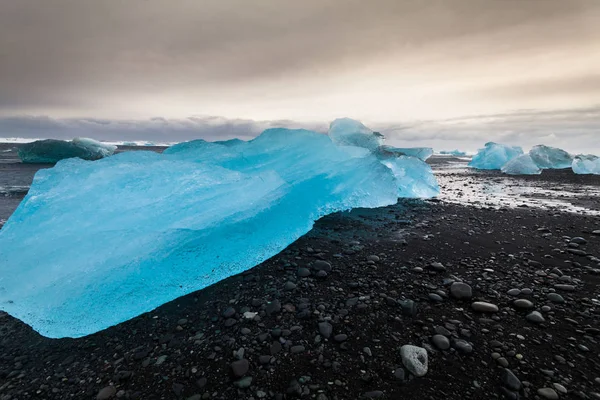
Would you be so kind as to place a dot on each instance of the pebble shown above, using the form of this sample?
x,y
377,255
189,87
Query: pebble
x,y
106,393
510,380
240,367
325,329
322,266
437,266
560,388
460,290
548,393
555,298
303,272
535,317
244,382
463,346
514,292
441,342
289,286
523,304
414,359
481,306
341,337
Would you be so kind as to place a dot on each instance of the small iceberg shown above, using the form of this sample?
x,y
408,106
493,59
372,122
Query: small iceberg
x,y
522,165
52,151
122,235
493,156
586,165
547,157
456,153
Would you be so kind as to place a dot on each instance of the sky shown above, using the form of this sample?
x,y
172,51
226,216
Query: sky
x,y
441,73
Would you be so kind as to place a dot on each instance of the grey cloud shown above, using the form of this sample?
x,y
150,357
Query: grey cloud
x,y
575,130
73,54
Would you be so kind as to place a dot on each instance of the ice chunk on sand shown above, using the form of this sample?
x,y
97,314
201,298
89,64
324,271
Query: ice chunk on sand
x,y
96,243
52,151
422,153
494,156
547,157
522,165
586,164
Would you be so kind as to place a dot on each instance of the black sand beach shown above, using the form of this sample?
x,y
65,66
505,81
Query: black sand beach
x,y
326,318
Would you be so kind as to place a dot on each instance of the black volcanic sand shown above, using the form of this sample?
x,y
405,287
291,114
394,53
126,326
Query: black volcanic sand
x,y
356,272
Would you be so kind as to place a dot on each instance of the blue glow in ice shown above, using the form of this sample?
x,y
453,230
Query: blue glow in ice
x,y
586,164
547,157
494,156
52,151
96,243
522,165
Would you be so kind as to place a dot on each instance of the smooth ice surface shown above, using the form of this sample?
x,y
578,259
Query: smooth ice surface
x,y
96,243
586,164
456,153
52,151
522,165
422,153
547,157
494,156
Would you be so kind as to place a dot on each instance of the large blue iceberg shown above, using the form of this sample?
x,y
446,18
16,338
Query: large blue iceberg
x,y
494,156
52,150
522,165
586,164
96,243
547,157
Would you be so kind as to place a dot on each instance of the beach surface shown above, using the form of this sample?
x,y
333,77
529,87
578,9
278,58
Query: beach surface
x,y
327,317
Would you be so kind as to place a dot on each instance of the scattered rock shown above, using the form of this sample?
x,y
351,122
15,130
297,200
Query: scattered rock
x,y
414,359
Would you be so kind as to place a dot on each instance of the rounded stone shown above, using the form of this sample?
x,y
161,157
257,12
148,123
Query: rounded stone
x,y
414,358
106,393
460,290
535,317
441,342
523,304
548,393
556,298
482,306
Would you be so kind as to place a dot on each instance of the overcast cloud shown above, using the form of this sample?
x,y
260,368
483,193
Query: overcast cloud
x,y
105,68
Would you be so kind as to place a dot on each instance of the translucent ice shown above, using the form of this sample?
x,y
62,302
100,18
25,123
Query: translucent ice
x,y
522,165
547,157
586,164
52,151
96,243
422,153
494,156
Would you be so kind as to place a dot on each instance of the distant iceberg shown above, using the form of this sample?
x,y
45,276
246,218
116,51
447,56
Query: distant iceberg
x,y
52,151
522,165
586,164
456,153
493,156
547,157
96,243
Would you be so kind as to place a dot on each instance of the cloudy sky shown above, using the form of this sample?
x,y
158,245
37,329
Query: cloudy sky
x,y
446,73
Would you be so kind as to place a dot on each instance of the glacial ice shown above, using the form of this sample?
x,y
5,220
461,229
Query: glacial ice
x,y
494,156
456,153
52,150
522,165
96,243
547,157
422,153
586,164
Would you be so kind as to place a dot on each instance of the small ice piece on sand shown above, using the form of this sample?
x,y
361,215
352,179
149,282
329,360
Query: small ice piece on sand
x,y
547,157
493,156
522,165
586,164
